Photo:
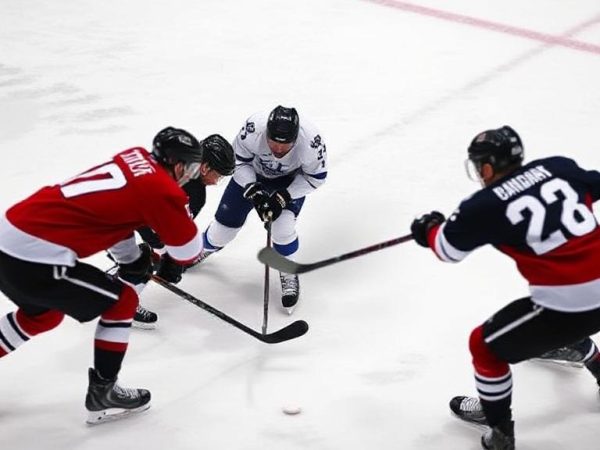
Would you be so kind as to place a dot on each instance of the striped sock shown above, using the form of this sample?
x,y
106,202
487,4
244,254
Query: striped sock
x,y
112,334
495,394
12,335
16,328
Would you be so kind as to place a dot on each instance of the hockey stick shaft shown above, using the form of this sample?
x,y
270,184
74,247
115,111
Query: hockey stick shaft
x,y
293,330
278,262
267,285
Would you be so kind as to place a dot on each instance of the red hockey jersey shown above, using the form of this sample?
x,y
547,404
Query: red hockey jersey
x,y
99,208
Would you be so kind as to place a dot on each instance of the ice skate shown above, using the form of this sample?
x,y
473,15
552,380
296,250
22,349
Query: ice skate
x,y
107,401
204,254
563,356
468,409
290,291
501,437
144,319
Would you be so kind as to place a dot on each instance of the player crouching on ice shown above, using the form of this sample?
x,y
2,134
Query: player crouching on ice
x,y
281,159
43,238
540,215
217,162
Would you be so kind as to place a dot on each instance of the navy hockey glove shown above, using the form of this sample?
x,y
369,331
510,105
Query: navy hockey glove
x,y
421,226
270,209
170,270
138,271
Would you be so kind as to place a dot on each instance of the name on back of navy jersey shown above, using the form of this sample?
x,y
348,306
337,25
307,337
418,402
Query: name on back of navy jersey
x,y
541,216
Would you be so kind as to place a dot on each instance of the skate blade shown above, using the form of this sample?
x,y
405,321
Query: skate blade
x,y
143,325
289,309
473,424
112,414
559,362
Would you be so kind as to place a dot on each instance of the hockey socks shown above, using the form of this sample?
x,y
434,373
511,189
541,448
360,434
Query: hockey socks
x,y
493,380
495,395
112,334
16,328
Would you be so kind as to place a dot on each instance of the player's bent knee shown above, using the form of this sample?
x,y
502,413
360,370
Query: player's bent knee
x,y
284,228
39,323
484,359
219,235
124,308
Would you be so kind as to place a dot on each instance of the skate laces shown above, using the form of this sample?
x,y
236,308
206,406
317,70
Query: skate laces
x,y
126,392
564,353
289,284
471,405
143,313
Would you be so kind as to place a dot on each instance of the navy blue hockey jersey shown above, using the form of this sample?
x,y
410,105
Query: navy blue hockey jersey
x,y
541,216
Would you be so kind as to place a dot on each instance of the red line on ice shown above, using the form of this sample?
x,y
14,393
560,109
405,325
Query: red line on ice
x,y
493,26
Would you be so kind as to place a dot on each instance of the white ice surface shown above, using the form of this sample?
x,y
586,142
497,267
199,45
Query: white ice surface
x,y
397,95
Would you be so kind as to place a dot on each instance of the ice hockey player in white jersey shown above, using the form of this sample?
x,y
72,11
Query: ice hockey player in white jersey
x,y
281,158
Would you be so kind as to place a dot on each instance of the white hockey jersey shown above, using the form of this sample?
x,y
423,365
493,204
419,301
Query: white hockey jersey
x,y
307,159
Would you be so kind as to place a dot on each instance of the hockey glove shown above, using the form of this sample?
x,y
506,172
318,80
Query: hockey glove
x,y
150,237
255,193
138,271
270,209
421,226
170,270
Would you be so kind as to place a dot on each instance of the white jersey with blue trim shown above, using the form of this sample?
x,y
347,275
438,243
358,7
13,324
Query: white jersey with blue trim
x,y
307,159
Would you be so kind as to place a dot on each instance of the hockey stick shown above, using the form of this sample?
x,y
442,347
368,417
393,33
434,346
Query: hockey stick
x,y
266,293
273,259
292,331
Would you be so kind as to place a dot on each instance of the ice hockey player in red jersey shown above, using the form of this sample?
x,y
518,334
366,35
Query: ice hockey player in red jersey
x,y
540,215
44,237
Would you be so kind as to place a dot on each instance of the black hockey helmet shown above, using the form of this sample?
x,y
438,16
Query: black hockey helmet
x,y
173,145
283,125
218,153
501,148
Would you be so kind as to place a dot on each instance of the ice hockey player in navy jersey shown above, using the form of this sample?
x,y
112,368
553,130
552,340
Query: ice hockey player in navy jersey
x,y
540,215
44,237
281,158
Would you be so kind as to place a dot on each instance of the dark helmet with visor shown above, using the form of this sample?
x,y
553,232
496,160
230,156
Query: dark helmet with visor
x,y
174,145
501,148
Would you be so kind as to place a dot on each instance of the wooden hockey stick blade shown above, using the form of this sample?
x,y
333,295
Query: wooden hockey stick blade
x,y
271,258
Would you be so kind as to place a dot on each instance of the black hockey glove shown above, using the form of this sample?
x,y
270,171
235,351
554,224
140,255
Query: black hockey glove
x,y
170,270
138,271
421,226
270,209
255,193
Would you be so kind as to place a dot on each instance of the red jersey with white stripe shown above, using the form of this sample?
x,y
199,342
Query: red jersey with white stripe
x,y
99,208
541,216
